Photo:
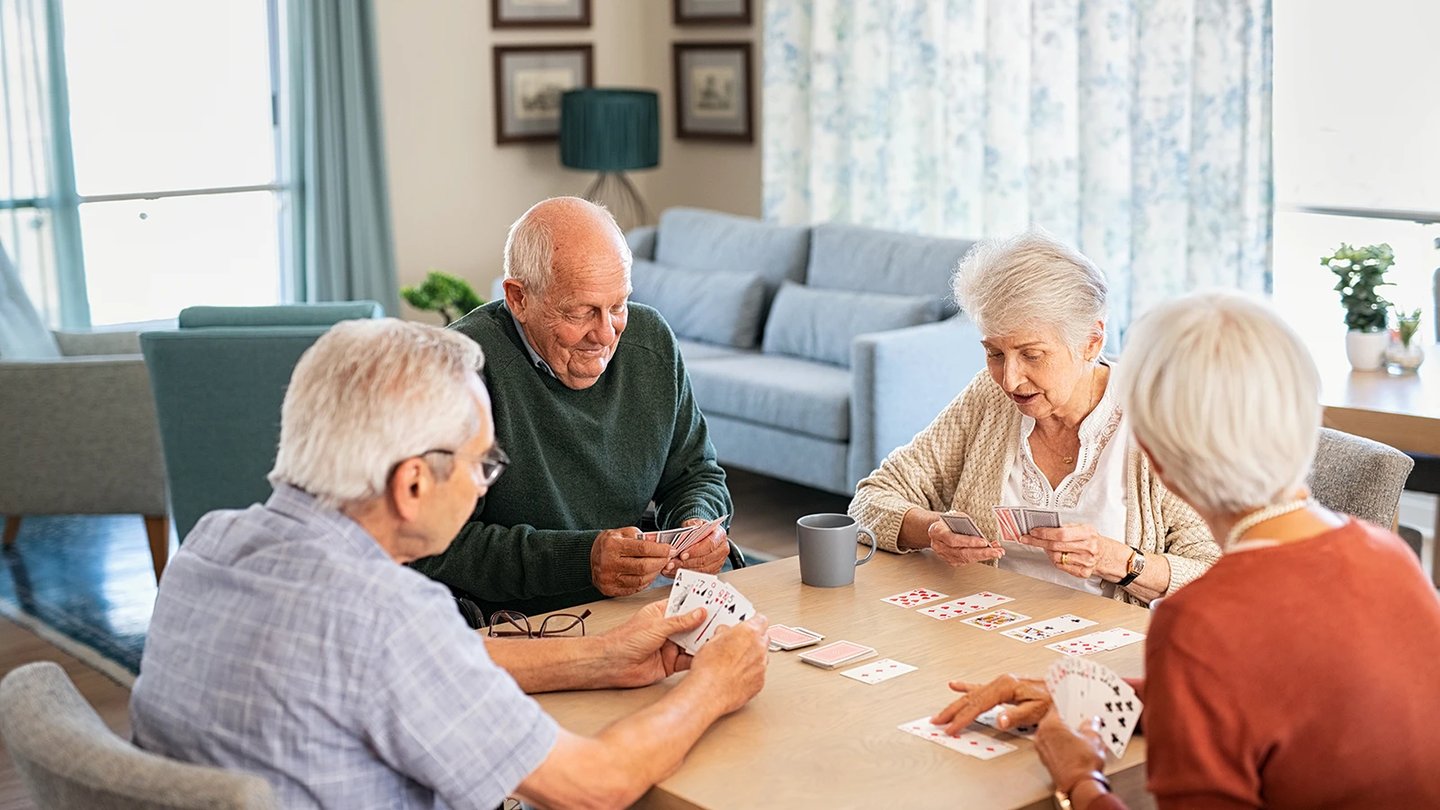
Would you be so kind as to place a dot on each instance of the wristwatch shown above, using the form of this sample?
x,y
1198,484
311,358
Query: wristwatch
x,y
1133,567
1062,799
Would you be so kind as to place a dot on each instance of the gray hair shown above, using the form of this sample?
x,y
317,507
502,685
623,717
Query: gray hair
x,y
530,244
1225,397
1008,286
369,394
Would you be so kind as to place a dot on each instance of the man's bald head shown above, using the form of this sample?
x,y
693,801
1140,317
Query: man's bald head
x,y
562,235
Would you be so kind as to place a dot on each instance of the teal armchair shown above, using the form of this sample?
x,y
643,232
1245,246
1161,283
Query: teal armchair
x,y
219,381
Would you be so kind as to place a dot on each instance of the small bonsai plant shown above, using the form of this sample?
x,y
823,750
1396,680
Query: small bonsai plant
x,y
1361,270
443,293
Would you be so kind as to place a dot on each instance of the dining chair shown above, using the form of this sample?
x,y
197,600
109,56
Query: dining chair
x,y
1359,477
219,380
67,757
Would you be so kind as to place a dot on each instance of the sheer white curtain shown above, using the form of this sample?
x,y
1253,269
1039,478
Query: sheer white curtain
x,y
1138,130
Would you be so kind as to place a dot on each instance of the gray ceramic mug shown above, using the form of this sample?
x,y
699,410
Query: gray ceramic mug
x,y
827,549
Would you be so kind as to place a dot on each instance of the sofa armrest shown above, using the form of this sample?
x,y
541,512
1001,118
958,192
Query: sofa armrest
x,y
83,431
642,242
88,343
901,381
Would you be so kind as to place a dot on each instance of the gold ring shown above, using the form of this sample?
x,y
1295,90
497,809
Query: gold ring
x,y
1062,557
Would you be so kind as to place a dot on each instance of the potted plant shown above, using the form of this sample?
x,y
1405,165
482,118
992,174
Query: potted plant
x,y
1405,354
443,293
1360,271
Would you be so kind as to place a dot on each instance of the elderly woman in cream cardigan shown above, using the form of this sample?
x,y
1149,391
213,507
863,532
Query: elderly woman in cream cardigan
x,y
1040,428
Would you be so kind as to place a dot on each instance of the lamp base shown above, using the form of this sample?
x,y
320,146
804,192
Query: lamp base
x,y
615,191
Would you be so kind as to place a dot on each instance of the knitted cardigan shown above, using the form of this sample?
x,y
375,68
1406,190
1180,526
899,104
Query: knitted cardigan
x,y
960,462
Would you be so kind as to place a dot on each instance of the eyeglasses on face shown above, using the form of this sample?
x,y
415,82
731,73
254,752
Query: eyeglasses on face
x,y
485,469
511,624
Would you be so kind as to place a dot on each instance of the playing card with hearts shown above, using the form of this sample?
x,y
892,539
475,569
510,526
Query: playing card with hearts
x,y
915,597
992,619
1101,641
973,603
970,743
1049,628
878,671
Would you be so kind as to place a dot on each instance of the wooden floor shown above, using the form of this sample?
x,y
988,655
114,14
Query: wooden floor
x,y
765,514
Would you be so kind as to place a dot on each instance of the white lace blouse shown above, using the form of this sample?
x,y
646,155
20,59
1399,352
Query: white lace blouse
x,y
1094,494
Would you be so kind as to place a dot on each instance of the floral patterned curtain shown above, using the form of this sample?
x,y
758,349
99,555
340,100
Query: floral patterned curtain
x,y
1138,130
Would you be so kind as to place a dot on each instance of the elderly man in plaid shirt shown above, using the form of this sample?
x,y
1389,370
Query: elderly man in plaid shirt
x,y
289,640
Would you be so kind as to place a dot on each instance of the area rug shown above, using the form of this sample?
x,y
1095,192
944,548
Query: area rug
x,y
83,583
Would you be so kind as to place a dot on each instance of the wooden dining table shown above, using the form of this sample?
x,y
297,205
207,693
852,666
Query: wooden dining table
x,y
813,738
1401,410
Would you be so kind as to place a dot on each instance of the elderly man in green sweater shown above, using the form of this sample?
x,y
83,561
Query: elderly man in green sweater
x,y
596,426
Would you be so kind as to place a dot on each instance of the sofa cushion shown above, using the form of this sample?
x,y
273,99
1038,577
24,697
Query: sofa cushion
x,y
316,314
821,324
853,257
708,240
783,392
714,307
693,351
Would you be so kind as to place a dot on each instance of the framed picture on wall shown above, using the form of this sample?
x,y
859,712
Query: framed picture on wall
x,y
712,91
712,12
540,13
529,80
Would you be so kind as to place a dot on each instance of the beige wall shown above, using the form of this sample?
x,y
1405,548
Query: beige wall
x,y
453,191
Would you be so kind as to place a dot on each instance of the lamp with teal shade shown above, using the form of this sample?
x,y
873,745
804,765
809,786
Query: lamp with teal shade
x,y
611,131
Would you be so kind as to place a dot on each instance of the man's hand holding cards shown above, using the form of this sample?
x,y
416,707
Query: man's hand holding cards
x,y
698,544
957,540
724,607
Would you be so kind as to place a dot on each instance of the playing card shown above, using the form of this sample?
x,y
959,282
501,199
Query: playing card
x,y
962,523
1083,689
685,582
990,717
878,671
995,618
1049,628
783,637
973,603
836,653
971,743
681,539
1005,520
914,597
726,607
1040,517
1101,641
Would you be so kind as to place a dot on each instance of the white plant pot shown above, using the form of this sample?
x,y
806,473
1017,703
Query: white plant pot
x,y
1366,350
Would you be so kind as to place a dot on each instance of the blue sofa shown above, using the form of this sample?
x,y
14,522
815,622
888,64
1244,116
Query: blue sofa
x,y
813,351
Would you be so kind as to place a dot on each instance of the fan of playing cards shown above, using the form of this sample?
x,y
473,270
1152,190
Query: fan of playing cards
x,y
1083,689
684,537
724,606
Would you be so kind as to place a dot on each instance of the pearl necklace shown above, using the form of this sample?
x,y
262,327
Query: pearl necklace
x,y
1259,516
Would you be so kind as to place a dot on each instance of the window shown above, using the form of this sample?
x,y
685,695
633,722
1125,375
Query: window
x,y
1357,123
171,146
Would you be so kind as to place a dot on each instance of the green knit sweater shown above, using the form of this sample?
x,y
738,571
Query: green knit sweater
x,y
580,462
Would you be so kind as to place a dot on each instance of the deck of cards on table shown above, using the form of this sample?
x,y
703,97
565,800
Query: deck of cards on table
x,y
724,606
1082,689
681,539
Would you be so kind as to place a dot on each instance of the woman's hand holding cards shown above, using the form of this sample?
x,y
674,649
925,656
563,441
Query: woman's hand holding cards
x,y
1080,551
960,549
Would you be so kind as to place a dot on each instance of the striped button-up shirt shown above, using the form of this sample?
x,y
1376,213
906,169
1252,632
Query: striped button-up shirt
x,y
285,642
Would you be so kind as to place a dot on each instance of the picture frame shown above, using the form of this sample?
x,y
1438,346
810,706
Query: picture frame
x,y
529,80
714,95
712,12
539,13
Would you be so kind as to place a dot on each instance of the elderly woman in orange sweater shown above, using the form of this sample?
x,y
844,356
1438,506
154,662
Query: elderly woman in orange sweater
x,y
1224,399
1040,428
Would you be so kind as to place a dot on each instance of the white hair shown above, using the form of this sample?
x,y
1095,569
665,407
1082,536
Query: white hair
x,y
530,244
369,394
1030,281
1225,397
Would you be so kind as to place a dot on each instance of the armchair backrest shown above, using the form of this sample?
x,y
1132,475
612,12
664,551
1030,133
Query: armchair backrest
x,y
1358,476
67,757
219,382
